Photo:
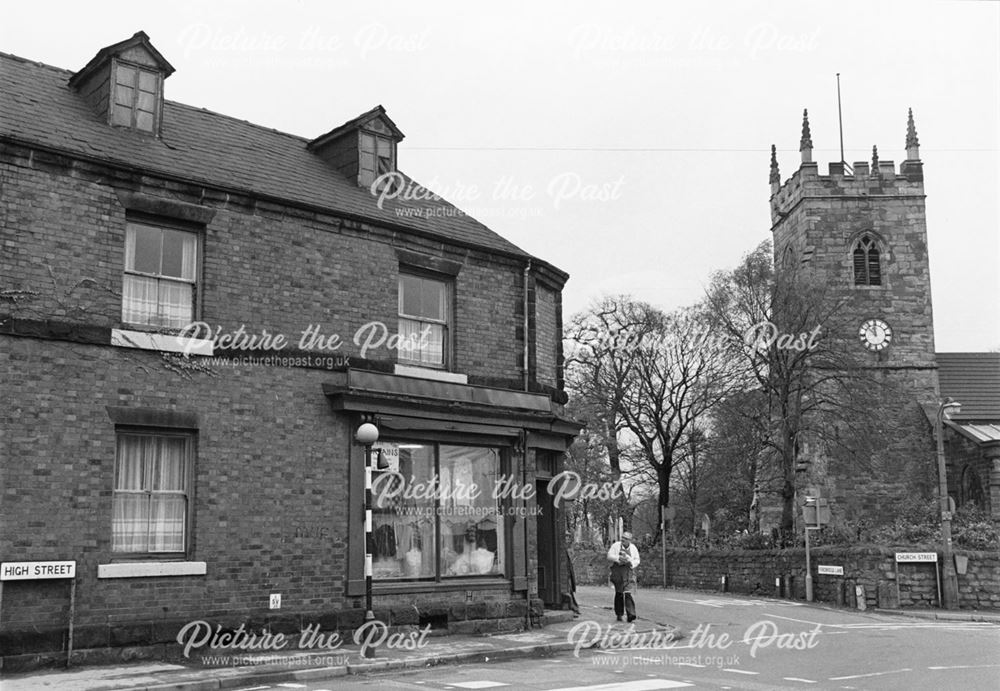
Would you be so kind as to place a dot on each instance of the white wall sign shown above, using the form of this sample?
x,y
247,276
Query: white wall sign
x,y
916,556
36,570
831,570
390,454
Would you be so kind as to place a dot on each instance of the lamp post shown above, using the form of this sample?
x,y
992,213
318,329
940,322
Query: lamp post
x,y
949,596
367,435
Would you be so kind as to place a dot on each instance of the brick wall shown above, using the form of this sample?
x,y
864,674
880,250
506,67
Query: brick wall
x,y
548,335
264,266
886,584
271,490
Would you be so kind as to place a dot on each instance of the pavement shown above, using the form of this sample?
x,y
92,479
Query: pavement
x,y
204,671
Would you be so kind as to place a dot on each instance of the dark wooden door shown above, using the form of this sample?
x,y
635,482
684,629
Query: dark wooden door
x,y
548,557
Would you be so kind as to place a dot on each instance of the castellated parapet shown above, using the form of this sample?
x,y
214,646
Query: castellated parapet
x,y
861,182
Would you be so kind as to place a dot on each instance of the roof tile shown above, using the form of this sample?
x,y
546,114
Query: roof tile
x,y
208,148
972,379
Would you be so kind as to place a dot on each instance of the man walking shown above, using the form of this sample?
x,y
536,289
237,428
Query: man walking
x,y
624,557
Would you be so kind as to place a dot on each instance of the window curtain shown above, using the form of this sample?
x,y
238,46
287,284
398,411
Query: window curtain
x,y
175,302
150,505
411,333
139,299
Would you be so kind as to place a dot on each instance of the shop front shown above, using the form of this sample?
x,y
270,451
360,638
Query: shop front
x,y
455,499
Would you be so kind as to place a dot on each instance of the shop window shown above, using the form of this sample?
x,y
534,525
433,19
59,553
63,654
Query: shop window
x,y
160,276
423,321
151,497
436,514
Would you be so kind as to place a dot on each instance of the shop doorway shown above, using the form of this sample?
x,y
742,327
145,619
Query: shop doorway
x,y
548,547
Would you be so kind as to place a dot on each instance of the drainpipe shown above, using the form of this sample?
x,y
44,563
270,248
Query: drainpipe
x,y
524,483
527,271
524,461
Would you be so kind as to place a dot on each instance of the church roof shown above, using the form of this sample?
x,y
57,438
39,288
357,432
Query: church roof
x,y
972,379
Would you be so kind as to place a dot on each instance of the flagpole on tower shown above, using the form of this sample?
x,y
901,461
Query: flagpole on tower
x,y
840,122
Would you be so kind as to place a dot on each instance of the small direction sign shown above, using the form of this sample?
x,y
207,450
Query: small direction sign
x,y
36,570
916,556
831,570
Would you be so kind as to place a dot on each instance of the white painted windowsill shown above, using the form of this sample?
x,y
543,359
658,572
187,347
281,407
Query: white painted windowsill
x,y
433,374
145,340
150,569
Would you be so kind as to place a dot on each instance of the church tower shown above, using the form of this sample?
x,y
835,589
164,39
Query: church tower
x,y
860,231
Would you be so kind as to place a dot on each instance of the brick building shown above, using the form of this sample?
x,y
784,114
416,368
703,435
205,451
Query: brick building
x,y
860,233
197,314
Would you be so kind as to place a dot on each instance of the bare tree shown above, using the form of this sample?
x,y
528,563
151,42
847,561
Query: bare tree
x,y
600,359
679,374
782,327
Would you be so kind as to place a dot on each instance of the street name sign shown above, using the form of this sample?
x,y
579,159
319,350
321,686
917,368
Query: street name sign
x,y
830,570
36,570
916,556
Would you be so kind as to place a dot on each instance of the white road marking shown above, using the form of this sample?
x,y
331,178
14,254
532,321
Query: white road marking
x,y
289,685
893,626
804,681
738,671
477,684
637,685
963,667
737,603
872,674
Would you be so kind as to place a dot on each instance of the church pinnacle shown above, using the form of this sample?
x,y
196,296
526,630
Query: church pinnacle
x,y
806,143
775,178
912,143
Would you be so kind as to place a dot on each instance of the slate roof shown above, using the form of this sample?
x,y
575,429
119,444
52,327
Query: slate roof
x,y
972,379
37,106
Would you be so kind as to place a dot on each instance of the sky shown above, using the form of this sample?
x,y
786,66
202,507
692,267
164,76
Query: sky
x,y
625,143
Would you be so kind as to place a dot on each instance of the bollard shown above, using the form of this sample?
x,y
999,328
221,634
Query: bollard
x,y
725,583
777,586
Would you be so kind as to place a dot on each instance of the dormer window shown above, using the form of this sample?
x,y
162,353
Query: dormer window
x,y
363,149
123,84
136,96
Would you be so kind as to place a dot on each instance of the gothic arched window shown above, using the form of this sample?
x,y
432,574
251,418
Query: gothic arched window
x,y
972,489
867,262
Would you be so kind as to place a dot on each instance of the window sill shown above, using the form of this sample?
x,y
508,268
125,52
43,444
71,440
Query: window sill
x,y
151,569
433,374
450,585
161,342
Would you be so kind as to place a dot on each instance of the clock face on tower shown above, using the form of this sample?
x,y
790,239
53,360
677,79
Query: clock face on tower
x,y
875,335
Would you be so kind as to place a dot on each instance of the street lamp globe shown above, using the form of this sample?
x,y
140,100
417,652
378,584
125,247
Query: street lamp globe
x,y
367,433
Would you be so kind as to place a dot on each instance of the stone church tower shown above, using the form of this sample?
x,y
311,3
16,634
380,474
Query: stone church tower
x,y
860,231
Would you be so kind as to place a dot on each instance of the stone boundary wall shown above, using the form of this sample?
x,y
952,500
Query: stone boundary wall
x,y
781,573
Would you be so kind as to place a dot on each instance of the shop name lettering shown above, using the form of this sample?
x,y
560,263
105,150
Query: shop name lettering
x,y
370,336
372,634
567,485
760,635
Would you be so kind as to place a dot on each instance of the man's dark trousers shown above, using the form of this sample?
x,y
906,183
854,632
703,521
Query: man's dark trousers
x,y
624,604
